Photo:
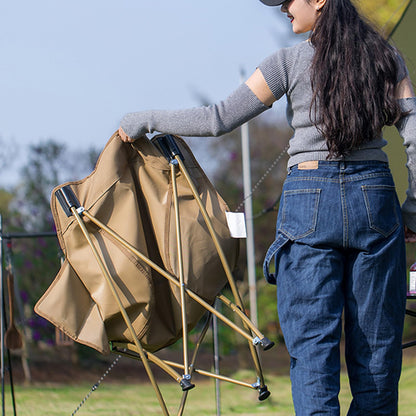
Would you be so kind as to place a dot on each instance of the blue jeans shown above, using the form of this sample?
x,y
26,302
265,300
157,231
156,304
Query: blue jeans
x,y
340,253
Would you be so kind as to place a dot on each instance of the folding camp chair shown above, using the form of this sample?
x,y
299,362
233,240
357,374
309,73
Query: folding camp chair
x,y
161,250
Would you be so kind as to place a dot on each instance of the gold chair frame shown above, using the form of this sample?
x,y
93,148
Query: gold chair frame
x,y
70,204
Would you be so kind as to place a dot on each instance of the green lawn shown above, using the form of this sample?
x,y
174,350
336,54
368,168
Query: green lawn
x,y
139,399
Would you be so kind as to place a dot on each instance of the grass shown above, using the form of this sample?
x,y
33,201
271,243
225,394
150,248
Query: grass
x,y
139,399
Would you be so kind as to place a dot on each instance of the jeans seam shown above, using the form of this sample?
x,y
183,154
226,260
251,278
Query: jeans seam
x,y
344,211
334,180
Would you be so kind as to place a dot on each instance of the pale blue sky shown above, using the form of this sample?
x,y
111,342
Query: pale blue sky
x,y
70,70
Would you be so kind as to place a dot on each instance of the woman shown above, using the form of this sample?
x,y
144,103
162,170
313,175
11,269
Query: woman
x,y
339,248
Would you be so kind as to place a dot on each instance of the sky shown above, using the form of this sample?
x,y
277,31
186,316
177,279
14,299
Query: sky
x,y
71,70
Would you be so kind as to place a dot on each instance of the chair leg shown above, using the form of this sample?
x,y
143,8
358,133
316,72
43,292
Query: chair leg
x,y
122,310
246,322
186,375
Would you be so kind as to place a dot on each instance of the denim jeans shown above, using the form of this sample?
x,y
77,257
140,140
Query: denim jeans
x,y
340,257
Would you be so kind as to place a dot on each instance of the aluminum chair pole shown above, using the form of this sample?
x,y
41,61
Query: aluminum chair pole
x,y
174,281
173,165
248,324
122,310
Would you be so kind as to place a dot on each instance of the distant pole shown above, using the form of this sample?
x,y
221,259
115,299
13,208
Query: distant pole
x,y
248,208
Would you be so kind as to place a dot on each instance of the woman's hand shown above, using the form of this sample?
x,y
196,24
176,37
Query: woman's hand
x,y
124,137
409,235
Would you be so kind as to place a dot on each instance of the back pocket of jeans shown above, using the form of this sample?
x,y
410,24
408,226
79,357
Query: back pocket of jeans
x,y
380,202
299,212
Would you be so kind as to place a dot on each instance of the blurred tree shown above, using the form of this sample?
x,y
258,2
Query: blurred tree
x,y
41,173
7,154
49,164
6,198
26,210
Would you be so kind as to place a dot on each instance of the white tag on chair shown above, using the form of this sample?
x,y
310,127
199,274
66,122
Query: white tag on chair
x,y
236,224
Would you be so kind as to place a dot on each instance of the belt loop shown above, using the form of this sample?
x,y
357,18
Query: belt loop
x,y
342,165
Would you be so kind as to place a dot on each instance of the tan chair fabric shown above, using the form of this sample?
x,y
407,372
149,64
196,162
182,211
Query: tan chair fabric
x,y
130,191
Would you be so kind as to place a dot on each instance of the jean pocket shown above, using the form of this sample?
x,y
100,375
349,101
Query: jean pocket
x,y
299,212
381,205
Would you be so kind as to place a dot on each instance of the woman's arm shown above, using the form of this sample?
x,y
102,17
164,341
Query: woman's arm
x,y
246,102
404,89
259,86
407,129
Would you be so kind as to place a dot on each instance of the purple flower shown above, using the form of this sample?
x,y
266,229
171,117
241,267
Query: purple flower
x,y
28,264
24,296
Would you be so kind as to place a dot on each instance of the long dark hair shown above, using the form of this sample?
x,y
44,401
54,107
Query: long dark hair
x,y
353,75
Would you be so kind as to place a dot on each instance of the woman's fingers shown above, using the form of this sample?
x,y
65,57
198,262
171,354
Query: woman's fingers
x,y
123,136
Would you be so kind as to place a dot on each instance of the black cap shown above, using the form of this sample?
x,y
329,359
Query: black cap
x,y
273,2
